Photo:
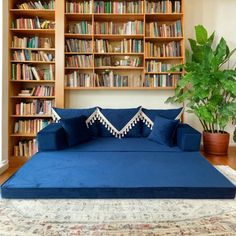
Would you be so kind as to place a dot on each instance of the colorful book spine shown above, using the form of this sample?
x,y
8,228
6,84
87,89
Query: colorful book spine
x,y
157,66
77,45
160,6
79,61
45,5
81,27
161,80
33,42
83,7
77,79
26,148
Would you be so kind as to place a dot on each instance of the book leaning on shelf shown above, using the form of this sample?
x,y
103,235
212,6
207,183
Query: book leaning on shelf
x,y
38,91
26,148
29,23
26,72
30,126
126,28
33,42
37,5
36,107
118,7
123,46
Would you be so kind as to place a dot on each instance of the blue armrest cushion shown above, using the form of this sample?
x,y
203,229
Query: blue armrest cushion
x,y
52,138
187,138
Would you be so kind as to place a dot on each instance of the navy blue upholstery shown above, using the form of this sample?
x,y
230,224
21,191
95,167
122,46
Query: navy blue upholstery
x,y
52,137
187,138
76,130
152,113
163,131
71,113
119,118
64,174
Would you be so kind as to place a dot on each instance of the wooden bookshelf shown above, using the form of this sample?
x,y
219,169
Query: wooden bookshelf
x,y
95,71
134,48
17,82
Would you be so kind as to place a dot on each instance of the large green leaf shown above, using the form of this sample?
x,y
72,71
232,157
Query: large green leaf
x,y
201,34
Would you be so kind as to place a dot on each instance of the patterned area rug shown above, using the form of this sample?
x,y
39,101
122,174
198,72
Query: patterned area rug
x,y
120,217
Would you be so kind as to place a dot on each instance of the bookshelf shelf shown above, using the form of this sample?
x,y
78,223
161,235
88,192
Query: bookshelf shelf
x,y
164,58
79,68
31,116
164,16
79,36
34,31
44,13
119,88
33,97
78,53
119,17
163,39
118,37
34,49
32,81
24,135
118,54
118,68
34,62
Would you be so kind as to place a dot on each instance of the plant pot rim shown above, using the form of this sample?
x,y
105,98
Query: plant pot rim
x,y
209,133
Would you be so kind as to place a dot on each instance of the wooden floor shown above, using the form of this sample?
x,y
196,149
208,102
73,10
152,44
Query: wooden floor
x,y
229,160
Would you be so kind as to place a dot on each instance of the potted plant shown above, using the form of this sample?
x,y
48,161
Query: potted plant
x,y
208,88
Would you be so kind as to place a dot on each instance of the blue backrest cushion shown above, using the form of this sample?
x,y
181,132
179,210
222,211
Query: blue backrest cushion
x,y
152,113
70,113
163,131
76,130
119,118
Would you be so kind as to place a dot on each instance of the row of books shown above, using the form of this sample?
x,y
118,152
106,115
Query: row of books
x,y
125,28
154,29
40,90
118,7
124,46
160,80
77,79
161,6
30,126
26,148
36,5
36,23
157,66
81,27
77,45
28,55
36,107
79,7
114,61
109,79
32,42
26,72
172,49
79,61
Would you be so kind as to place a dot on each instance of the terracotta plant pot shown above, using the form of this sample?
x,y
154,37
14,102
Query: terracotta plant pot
x,y
216,143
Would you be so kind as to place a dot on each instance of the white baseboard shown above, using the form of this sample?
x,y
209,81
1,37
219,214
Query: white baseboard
x,y
3,166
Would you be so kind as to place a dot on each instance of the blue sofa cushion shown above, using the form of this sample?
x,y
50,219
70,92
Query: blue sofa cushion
x,y
52,138
76,130
187,138
151,114
163,131
120,122
60,113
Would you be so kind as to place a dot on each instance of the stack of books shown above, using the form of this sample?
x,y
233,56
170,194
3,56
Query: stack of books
x,y
38,91
77,45
83,7
33,42
154,29
26,72
30,126
81,27
79,61
37,5
118,7
172,49
28,55
28,23
26,148
36,107
126,28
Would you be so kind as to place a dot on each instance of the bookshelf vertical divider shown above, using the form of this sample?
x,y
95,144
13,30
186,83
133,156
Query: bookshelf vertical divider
x,y
140,76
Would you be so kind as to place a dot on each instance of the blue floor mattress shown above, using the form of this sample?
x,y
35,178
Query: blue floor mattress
x,y
112,169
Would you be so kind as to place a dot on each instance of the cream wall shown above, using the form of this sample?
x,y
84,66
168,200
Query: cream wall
x,y
216,15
